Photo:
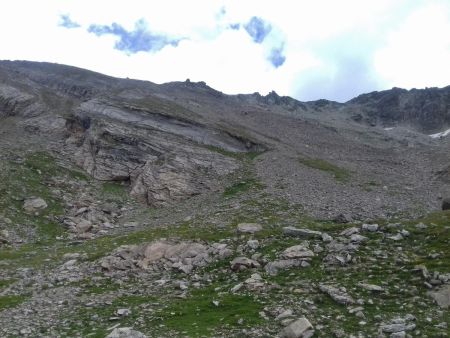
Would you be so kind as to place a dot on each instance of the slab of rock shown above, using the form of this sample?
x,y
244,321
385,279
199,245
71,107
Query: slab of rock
x,y
442,297
342,218
371,287
84,226
397,237
370,227
242,263
356,238
34,204
301,233
125,332
301,328
397,325
297,251
349,231
272,268
249,228
339,295
255,282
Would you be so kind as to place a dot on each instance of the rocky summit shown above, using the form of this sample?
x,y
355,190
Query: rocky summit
x,y
132,209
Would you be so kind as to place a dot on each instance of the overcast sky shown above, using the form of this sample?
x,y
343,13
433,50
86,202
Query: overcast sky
x,y
306,49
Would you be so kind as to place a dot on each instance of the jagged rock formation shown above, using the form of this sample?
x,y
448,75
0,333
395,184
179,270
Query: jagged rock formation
x,y
426,110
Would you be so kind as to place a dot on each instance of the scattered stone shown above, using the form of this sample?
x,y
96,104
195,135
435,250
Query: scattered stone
x,y
297,251
182,256
350,231
421,226
34,204
397,237
123,312
356,238
125,332
370,227
284,314
326,238
404,233
339,295
371,287
343,218
399,325
272,268
255,282
253,244
301,233
441,296
84,226
249,228
301,328
243,263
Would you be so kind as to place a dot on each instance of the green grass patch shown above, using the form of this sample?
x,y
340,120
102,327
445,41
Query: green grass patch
x,y
242,186
340,174
32,177
198,316
6,282
7,302
115,191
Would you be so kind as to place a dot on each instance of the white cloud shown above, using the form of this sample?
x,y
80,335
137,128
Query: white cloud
x,y
417,54
333,49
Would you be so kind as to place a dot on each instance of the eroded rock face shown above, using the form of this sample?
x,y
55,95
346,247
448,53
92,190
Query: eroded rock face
x,y
163,158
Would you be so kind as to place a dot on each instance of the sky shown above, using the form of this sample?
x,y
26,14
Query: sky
x,y
306,49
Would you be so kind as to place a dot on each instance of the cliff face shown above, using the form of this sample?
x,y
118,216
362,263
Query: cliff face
x,y
158,147
426,110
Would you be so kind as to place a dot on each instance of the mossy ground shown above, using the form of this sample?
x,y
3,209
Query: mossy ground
x,y
340,174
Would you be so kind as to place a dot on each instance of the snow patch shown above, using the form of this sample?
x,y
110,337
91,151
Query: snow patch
x,y
390,128
441,134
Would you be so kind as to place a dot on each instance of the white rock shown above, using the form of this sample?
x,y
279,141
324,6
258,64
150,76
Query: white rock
x,y
123,312
249,228
298,251
125,332
34,204
301,328
370,227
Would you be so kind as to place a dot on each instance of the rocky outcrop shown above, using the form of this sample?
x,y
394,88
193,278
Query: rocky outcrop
x,y
159,166
14,101
427,110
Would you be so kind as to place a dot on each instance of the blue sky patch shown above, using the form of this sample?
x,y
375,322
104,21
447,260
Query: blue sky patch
x,y
67,22
138,40
258,29
276,57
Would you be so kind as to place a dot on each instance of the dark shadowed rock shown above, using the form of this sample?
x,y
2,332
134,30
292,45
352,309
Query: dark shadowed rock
x,y
446,203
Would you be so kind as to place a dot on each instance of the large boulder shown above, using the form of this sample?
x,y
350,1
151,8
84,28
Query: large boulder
x,y
301,328
34,204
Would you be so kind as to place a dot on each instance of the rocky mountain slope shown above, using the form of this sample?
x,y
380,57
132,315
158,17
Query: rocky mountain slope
x,y
178,210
